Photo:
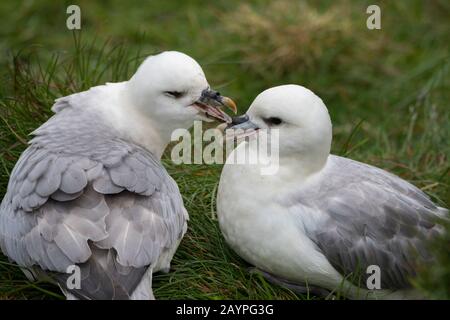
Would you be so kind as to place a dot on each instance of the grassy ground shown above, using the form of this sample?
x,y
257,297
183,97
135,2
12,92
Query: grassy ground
x,y
387,91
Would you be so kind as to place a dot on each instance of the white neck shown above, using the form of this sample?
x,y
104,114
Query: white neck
x,y
298,166
292,170
130,122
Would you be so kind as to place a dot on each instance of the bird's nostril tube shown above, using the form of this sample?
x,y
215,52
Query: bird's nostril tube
x,y
239,120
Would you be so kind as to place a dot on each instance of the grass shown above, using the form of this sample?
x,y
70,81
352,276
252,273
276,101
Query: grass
x,y
387,91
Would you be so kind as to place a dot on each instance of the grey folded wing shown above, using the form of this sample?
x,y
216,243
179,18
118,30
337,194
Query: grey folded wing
x,y
367,216
63,207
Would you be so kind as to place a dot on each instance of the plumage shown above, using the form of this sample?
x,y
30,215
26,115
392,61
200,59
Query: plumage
x,y
61,235
370,217
90,189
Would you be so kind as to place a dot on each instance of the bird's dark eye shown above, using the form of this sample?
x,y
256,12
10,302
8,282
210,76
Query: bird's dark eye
x,y
273,121
175,94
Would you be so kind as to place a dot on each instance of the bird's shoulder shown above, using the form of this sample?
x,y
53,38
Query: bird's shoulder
x,y
346,177
115,165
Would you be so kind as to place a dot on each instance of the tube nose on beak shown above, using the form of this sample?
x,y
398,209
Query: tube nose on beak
x,y
215,98
242,122
239,119
211,94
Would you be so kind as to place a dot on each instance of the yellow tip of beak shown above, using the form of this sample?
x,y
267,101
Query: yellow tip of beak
x,y
229,104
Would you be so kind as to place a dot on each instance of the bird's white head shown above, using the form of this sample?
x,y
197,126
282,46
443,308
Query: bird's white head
x,y
302,121
172,90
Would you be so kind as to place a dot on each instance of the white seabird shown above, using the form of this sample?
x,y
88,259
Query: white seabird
x,y
90,189
321,220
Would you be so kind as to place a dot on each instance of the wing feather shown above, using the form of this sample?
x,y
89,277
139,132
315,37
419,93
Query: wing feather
x,y
367,216
71,197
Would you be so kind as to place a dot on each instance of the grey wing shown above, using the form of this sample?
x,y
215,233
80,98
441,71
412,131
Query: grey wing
x,y
371,217
63,207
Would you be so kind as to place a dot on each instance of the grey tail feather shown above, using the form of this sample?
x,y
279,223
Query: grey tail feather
x,y
103,278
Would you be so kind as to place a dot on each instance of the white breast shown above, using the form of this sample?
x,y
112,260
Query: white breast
x,y
263,232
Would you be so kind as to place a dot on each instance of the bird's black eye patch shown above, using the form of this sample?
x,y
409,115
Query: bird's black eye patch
x,y
175,94
273,121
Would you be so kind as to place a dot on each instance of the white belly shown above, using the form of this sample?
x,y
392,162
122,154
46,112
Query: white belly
x,y
264,234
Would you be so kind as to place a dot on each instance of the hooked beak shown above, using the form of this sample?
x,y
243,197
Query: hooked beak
x,y
210,104
241,127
